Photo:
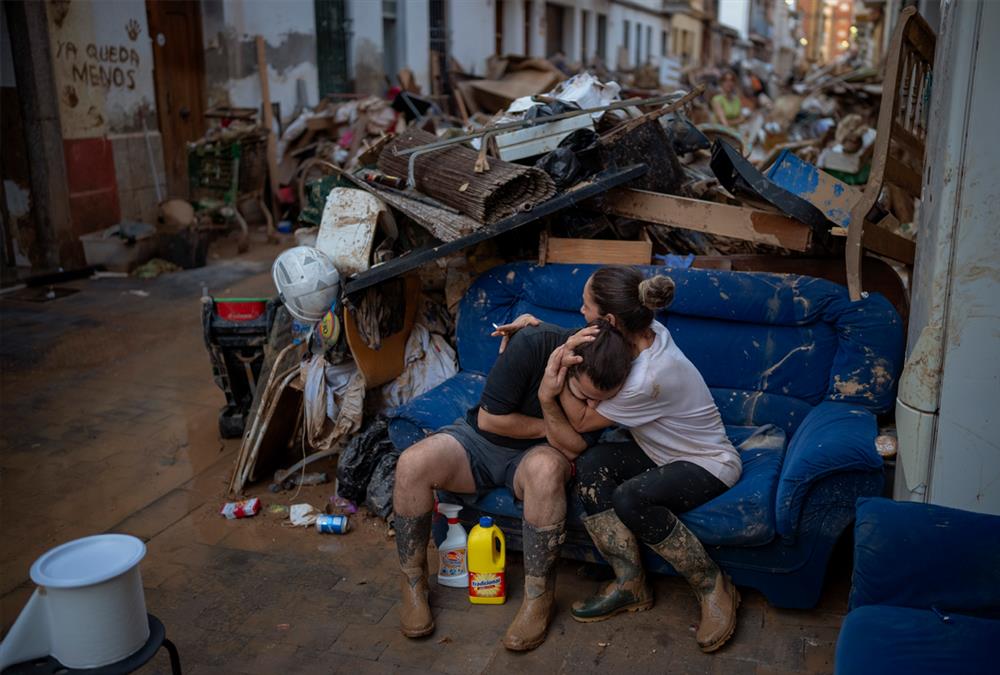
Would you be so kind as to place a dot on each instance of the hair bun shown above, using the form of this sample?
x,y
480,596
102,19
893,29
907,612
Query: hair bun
x,y
656,292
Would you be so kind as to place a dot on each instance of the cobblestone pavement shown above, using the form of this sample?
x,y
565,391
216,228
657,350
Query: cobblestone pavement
x,y
109,425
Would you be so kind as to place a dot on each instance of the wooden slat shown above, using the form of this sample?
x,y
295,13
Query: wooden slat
x,y
597,251
909,141
899,174
693,214
888,244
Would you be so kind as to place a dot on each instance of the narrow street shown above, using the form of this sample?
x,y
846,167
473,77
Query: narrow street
x,y
111,426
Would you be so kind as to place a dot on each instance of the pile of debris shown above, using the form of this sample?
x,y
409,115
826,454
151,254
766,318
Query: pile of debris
x,y
418,202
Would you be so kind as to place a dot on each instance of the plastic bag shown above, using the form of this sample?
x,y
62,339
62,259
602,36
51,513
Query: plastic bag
x,y
576,158
303,515
378,499
359,459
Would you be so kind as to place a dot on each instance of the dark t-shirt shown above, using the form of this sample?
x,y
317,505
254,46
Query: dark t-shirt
x,y
512,385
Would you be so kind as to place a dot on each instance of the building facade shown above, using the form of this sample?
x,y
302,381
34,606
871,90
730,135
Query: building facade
x,y
112,91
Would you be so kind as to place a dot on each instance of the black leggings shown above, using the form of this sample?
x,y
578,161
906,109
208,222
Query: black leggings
x,y
645,496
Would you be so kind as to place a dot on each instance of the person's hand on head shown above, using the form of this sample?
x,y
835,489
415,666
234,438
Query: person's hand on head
x,y
554,379
508,329
582,337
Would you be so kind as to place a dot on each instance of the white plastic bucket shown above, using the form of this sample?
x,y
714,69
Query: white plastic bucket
x,y
89,610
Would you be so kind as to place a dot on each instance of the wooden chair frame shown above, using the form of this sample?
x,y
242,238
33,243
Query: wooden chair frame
x,y
898,157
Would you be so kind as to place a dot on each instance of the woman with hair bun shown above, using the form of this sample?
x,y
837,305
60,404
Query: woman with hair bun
x,y
679,456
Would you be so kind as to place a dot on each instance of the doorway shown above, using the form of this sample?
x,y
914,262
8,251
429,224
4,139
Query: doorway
x,y
179,73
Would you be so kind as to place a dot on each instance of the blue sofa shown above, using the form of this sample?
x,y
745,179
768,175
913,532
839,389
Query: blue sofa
x,y
926,591
785,350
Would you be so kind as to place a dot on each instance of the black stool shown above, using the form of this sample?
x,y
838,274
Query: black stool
x,y
157,639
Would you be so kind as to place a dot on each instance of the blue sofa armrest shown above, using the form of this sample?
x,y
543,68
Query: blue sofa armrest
x,y
923,556
833,438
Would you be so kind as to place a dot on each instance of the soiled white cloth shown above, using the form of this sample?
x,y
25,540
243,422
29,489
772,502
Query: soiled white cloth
x,y
334,400
429,361
667,406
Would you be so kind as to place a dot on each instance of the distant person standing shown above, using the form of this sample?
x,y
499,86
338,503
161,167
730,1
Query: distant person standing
x,y
727,105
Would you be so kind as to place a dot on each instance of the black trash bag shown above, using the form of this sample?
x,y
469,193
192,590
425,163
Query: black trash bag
x,y
549,109
685,136
562,165
383,479
575,159
359,459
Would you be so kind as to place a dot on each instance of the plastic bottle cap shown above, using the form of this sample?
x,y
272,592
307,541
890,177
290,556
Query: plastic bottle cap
x,y
485,521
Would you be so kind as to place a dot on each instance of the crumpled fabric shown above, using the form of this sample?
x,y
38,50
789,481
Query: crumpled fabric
x,y
334,400
428,362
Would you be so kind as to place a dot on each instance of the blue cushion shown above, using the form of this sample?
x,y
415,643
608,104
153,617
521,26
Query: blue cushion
x,y
834,438
781,334
434,409
744,514
885,639
741,516
923,555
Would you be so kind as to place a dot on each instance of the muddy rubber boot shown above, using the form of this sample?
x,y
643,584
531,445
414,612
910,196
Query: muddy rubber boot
x,y
412,535
628,591
541,549
716,592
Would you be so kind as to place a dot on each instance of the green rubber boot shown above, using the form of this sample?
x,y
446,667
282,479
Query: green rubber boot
x,y
628,592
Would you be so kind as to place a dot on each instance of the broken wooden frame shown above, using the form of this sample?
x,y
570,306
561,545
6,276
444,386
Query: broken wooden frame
x,y
738,222
413,259
902,120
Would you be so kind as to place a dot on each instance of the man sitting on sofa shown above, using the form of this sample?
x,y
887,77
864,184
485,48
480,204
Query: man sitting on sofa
x,y
516,437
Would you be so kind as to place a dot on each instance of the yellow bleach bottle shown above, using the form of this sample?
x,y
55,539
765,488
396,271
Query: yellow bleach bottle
x,y
486,561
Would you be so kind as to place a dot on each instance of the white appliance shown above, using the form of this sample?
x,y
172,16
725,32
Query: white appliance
x,y
948,406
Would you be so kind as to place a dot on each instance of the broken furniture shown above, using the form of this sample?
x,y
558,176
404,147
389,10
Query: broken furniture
x,y
467,232
739,222
787,350
925,596
899,145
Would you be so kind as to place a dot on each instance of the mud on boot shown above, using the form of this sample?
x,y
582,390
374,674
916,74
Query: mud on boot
x,y
716,593
628,591
541,549
412,534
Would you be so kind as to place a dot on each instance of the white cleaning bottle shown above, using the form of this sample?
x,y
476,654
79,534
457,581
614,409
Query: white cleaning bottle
x,y
453,570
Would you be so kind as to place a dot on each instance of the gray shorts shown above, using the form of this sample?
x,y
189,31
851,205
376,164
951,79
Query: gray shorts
x,y
492,465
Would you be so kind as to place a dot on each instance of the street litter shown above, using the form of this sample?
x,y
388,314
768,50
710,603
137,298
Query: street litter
x,y
242,509
303,515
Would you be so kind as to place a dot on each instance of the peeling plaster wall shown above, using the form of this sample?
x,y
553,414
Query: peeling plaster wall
x,y
365,46
471,25
102,57
230,29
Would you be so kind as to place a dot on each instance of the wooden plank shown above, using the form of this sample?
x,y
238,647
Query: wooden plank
x,y
272,143
694,214
908,140
598,251
413,259
900,174
889,244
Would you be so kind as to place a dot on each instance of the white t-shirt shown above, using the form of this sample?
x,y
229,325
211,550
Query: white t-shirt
x,y
666,405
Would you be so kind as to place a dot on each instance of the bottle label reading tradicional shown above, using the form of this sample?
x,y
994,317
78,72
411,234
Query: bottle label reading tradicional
x,y
452,563
486,584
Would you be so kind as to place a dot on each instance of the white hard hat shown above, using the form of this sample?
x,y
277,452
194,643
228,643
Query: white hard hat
x,y
307,282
